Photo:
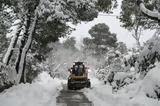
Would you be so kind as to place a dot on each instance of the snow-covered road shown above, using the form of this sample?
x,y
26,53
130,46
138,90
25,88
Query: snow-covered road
x,y
72,98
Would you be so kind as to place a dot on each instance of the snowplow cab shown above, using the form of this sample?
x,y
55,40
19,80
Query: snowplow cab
x,y
78,77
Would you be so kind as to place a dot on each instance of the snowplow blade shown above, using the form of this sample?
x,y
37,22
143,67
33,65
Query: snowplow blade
x,y
76,84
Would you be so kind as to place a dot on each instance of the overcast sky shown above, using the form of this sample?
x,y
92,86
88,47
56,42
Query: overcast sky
x,y
115,27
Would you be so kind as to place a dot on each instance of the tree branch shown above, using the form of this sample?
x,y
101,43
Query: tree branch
x,y
151,14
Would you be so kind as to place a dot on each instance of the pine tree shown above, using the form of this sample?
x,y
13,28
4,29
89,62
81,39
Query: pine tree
x,y
102,38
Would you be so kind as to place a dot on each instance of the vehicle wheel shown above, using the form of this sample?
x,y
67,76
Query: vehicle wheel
x,y
68,84
69,87
88,84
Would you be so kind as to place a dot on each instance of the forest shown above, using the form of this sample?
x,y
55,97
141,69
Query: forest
x,y
32,52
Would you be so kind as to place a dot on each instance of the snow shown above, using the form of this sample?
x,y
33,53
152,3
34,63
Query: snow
x,y
151,47
77,97
102,96
42,92
131,95
152,82
128,56
121,76
14,31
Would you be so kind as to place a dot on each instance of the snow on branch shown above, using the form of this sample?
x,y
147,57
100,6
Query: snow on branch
x,y
15,34
152,14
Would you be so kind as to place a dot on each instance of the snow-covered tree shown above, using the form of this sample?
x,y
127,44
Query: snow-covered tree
x,y
106,5
101,35
149,55
101,39
121,47
134,20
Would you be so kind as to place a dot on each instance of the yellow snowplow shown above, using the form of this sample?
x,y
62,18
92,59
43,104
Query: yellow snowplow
x,y
78,76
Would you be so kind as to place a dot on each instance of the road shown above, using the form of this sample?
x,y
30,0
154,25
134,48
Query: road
x,y
72,98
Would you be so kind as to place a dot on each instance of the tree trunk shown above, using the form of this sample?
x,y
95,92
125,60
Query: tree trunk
x,y
137,33
23,79
23,40
21,68
137,37
12,45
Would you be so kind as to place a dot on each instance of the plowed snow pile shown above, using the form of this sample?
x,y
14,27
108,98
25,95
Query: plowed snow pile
x,y
102,96
132,95
42,92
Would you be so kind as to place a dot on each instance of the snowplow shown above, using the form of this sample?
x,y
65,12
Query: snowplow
x,y
78,77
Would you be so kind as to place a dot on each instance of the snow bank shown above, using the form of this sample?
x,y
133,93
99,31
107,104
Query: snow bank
x,y
42,92
132,95
102,96
151,84
98,95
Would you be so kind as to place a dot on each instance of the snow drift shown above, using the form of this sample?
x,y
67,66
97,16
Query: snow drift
x,y
152,83
42,92
133,94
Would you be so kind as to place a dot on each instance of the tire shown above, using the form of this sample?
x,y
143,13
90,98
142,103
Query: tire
x,y
88,84
69,85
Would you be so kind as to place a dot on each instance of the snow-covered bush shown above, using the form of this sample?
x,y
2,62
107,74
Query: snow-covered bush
x,y
123,69
149,55
151,84
131,57
127,73
122,79
113,63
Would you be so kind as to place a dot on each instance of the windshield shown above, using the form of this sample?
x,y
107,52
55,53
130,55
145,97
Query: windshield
x,y
78,69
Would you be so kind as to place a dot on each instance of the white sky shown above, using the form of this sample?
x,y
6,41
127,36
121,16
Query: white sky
x,y
114,24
